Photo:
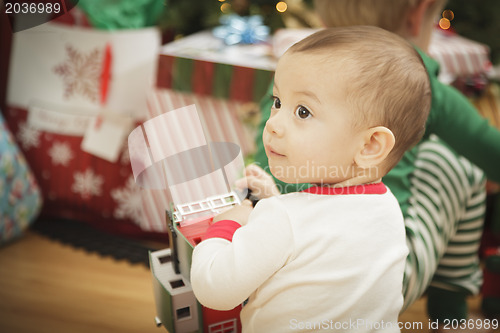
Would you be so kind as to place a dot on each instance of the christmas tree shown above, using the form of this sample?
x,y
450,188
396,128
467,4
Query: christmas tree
x,y
185,17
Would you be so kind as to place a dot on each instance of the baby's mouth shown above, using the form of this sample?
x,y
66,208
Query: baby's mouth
x,y
273,152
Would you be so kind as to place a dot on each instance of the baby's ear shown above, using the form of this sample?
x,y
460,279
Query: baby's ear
x,y
377,144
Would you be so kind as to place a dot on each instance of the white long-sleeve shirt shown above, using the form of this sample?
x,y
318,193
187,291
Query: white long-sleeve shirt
x,y
321,260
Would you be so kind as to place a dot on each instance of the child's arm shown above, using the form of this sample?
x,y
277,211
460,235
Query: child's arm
x,y
238,213
455,120
230,265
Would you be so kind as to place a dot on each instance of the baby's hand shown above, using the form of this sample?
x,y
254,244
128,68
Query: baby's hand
x,y
238,213
259,182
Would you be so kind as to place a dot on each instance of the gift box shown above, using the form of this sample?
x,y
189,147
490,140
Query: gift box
x,y
203,65
20,198
73,95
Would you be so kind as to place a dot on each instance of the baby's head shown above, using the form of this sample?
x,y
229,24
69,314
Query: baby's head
x,y
348,103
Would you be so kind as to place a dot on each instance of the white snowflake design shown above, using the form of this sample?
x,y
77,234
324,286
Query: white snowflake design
x,y
81,73
28,136
61,153
87,184
129,202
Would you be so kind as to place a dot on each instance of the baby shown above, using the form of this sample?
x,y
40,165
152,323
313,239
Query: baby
x,y
348,102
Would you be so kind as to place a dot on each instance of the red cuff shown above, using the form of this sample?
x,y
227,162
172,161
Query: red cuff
x,y
222,229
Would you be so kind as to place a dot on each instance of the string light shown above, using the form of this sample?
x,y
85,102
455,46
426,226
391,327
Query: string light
x,y
281,6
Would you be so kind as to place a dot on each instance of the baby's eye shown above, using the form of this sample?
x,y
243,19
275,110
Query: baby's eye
x,y
302,112
276,102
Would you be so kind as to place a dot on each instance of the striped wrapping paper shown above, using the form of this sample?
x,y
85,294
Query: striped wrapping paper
x,y
219,117
212,79
458,56
202,64
220,123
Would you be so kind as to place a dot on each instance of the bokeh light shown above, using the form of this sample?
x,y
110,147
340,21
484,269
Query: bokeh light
x,y
444,23
281,6
225,8
448,14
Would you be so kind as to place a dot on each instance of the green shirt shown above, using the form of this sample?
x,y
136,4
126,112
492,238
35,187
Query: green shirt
x,y
452,118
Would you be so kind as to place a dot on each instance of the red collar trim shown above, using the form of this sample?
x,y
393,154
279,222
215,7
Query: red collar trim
x,y
377,188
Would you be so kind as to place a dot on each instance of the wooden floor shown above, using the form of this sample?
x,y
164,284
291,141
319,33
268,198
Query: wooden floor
x,y
49,287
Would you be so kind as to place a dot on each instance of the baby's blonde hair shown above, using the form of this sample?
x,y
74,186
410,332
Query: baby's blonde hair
x,y
387,84
386,14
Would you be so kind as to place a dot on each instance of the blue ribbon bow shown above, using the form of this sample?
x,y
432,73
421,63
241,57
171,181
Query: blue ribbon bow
x,y
236,29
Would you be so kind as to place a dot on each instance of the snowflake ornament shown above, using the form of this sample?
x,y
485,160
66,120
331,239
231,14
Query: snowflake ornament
x,y
28,136
87,184
129,202
60,153
81,73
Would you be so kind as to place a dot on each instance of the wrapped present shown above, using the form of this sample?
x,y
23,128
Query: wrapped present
x,y
72,97
20,198
203,64
458,56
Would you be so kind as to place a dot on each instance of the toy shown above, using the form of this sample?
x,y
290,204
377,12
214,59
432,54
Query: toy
x,y
170,152
177,308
